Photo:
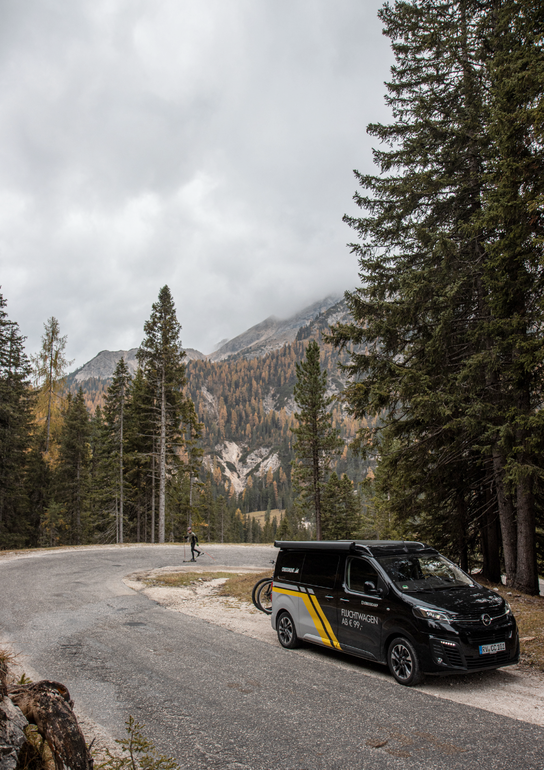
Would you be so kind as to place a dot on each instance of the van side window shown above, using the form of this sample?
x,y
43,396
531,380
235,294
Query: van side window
x,y
289,565
320,569
359,572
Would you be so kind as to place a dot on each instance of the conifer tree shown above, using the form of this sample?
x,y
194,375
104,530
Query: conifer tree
x,y
72,470
104,481
16,528
161,357
114,411
341,517
50,366
513,337
447,323
140,437
316,439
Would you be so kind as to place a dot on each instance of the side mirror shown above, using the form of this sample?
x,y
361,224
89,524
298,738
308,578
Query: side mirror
x,y
370,588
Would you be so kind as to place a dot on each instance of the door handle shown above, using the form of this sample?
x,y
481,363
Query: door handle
x,y
329,597
344,600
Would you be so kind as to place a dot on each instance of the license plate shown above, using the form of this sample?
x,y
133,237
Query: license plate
x,y
489,649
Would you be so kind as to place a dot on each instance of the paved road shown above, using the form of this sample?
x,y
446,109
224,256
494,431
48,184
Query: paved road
x,y
218,700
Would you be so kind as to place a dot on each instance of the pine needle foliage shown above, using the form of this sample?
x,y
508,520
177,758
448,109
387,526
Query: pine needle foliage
x,y
316,440
447,336
137,752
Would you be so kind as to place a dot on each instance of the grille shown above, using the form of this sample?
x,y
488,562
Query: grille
x,y
483,638
475,616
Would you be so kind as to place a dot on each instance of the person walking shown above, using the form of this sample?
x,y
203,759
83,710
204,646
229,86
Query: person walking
x,y
192,537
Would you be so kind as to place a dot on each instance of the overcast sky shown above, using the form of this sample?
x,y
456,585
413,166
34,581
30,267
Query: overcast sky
x,y
204,144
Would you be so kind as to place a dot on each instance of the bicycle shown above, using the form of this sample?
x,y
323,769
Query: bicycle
x,y
261,595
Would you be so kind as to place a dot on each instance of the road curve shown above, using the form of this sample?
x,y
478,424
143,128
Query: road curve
x,y
214,699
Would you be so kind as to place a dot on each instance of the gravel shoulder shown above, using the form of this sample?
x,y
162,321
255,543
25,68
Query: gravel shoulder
x,y
516,691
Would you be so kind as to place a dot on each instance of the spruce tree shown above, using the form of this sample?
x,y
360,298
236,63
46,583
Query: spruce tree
x,y
72,470
104,481
140,436
17,527
316,439
513,336
341,517
115,412
161,357
442,340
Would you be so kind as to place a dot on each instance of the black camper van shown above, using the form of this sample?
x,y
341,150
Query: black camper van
x,y
398,603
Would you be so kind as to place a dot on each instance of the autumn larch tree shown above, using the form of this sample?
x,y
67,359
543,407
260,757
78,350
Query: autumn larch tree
x,y
50,366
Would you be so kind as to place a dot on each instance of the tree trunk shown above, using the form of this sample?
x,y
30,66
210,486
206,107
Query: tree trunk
x,y
121,468
526,574
506,518
47,705
162,465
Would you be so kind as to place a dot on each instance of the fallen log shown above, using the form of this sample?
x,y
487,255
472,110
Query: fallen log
x,y
47,705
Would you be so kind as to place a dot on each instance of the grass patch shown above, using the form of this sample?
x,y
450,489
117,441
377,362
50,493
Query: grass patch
x,y
236,586
240,586
529,614
185,579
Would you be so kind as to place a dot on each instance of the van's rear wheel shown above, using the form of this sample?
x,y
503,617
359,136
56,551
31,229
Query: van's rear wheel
x,y
403,662
287,633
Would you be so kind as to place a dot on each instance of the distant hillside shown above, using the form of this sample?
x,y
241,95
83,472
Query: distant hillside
x,y
243,395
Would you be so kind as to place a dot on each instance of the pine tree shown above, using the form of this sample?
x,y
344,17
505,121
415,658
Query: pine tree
x,y
50,366
103,473
316,439
16,402
341,517
432,349
115,410
161,357
140,437
72,470
513,338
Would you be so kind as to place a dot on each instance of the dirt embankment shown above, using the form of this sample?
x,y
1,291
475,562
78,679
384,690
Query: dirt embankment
x,y
516,691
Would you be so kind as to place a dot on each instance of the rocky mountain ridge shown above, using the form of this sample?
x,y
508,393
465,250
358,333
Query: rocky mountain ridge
x,y
271,334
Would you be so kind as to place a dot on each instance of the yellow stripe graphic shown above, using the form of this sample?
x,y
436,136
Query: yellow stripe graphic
x,y
326,623
322,625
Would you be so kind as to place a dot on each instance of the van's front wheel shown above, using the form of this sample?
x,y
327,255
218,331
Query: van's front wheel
x,y
403,663
287,634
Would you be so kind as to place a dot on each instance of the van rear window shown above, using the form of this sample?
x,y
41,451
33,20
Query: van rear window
x,y
289,565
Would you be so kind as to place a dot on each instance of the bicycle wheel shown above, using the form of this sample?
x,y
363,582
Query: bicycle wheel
x,y
262,595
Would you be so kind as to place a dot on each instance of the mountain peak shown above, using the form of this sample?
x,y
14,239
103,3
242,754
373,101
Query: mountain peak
x,y
268,335
272,333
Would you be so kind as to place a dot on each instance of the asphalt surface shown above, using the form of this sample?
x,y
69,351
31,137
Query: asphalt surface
x,y
218,700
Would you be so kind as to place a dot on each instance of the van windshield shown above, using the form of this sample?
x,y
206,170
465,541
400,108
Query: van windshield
x,y
423,573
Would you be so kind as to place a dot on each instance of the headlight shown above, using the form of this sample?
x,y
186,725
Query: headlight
x,y
430,614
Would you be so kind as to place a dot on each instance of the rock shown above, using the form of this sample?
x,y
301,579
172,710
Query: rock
x,y
12,737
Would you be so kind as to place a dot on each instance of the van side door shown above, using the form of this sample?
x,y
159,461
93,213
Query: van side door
x,y
319,580
361,608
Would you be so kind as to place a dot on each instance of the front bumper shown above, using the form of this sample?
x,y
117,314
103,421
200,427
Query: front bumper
x,y
473,648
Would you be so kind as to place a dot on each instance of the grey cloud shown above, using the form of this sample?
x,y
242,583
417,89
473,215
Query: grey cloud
x,y
205,145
